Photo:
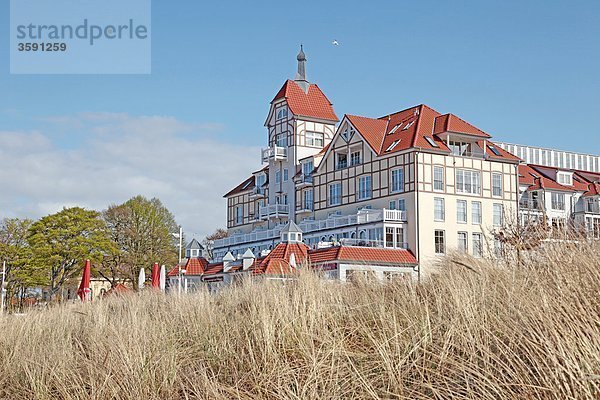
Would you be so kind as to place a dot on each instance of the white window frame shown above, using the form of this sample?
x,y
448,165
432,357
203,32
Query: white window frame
x,y
355,160
278,176
397,184
558,201
239,214
436,169
469,179
463,241
436,202
498,214
443,241
476,212
308,199
497,185
461,204
335,193
477,239
314,139
365,187
286,175
281,113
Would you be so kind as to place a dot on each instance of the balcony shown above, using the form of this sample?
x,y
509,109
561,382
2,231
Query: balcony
x,y
362,217
304,180
306,209
534,205
258,193
274,211
274,153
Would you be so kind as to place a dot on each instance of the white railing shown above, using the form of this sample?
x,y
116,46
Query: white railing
x,y
530,204
274,153
305,180
274,210
362,217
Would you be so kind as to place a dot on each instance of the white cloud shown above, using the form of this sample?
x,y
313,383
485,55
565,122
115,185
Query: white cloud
x,y
120,156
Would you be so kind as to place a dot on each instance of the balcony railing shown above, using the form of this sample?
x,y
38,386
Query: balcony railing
x,y
362,217
530,204
274,211
274,153
470,154
304,180
259,192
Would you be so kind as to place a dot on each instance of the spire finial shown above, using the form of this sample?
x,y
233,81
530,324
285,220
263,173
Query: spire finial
x,y
301,74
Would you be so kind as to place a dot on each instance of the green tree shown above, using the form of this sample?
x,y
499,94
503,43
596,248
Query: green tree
x,y
16,253
61,242
142,230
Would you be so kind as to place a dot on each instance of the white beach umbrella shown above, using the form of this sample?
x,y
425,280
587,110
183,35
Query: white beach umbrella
x,y
163,278
141,279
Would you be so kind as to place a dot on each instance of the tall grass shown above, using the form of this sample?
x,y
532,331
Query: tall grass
x,y
478,330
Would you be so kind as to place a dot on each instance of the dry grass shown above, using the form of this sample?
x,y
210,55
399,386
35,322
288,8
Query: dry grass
x,y
493,332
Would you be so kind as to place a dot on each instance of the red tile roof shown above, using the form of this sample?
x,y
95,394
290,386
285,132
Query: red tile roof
x,y
536,178
593,190
365,255
413,127
277,262
192,266
312,104
246,185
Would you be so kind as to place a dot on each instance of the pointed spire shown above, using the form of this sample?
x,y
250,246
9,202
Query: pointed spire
x,y
300,78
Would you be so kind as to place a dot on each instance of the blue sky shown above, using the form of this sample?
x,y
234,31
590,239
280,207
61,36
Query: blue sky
x,y
525,72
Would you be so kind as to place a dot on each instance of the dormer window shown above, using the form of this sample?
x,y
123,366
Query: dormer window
x,y
281,113
307,168
260,180
565,178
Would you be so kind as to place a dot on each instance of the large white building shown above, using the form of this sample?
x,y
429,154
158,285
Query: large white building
x,y
417,180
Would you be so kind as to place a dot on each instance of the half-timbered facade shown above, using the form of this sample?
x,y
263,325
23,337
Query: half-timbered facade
x,y
417,180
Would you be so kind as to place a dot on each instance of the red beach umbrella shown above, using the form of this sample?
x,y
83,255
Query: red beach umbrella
x,y
156,276
84,287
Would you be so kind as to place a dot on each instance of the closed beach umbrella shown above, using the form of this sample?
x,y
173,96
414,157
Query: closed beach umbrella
x,y
141,279
163,278
155,276
84,287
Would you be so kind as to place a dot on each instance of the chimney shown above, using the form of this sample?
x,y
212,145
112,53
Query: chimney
x,y
227,261
247,260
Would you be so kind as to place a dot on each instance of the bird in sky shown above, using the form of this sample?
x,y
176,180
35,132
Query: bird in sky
x,y
335,43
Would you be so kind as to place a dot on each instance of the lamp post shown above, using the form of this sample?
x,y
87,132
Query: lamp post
x,y
181,272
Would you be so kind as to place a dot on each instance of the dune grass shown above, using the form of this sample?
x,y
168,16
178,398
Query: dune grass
x,y
489,331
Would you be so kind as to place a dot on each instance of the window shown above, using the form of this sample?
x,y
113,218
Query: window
x,y
398,180
477,245
438,178
335,194
239,215
314,139
342,160
393,205
348,133
558,201
461,211
402,204
308,200
497,185
498,248
391,146
468,181
494,150
282,140
286,175
565,178
476,212
307,168
282,113
365,190
440,242
439,209
431,142
277,176
463,241
498,214
260,180
355,158
389,237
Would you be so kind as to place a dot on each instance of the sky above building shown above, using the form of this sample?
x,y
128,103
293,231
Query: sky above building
x,y
525,72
